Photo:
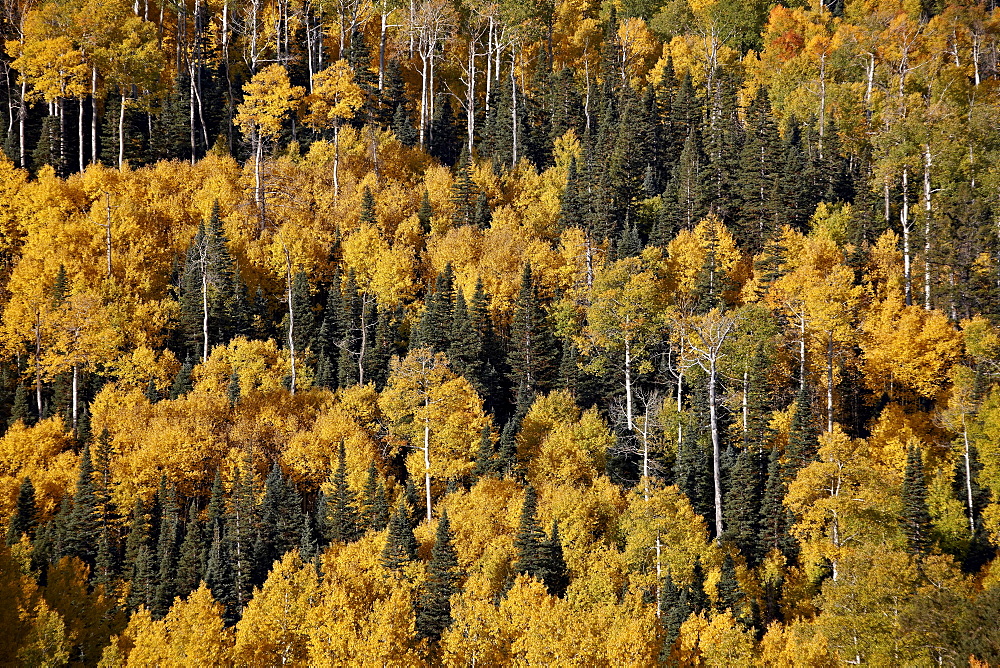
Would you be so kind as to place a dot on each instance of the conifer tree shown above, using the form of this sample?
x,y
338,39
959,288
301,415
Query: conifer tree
x,y
533,355
916,519
25,514
152,394
803,439
743,503
375,505
507,464
400,544
424,215
531,556
675,608
465,352
433,614
485,463
182,381
729,595
21,410
280,528
343,523
166,552
402,126
775,518
81,527
138,562
233,391
190,562
555,575
759,164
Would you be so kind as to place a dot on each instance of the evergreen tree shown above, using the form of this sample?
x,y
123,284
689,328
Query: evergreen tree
x,y
743,502
342,518
533,355
280,522
775,518
402,126
485,464
138,562
696,592
166,552
424,215
190,562
675,608
375,506
182,381
693,466
803,437
400,544
433,614
444,143
81,527
233,391
916,519
729,594
759,164
21,410
25,515
465,352
413,502
434,330
531,556
507,464
555,575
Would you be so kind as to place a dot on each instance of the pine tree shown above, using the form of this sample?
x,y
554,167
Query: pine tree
x,y
280,528
190,562
424,215
696,592
413,502
20,410
531,556
138,562
729,594
402,126
533,355
803,439
342,518
166,552
693,467
674,611
743,503
434,330
775,518
233,391
182,381
465,352
433,614
759,164
485,464
507,464
555,575
25,515
400,545
81,527
374,504
916,519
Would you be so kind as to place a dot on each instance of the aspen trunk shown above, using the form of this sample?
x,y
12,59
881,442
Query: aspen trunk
x,y
904,219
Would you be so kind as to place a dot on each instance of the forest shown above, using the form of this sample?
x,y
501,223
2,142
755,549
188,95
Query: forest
x,y
472,332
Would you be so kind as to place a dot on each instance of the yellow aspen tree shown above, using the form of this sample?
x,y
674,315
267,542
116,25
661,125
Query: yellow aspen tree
x,y
334,99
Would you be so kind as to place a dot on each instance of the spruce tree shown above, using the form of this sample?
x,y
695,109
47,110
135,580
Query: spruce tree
x,y
343,523
21,410
433,614
916,519
400,544
555,575
465,352
774,517
674,611
280,528
25,514
81,523
138,562
424,215
485,464
182,381
190,562
531,556
533,355
375,505
803,437
743,502
729,594
166,553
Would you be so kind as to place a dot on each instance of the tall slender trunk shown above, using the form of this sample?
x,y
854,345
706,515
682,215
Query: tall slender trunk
x,y
94,157
927,226
336,160
76,386
204,305
22,119
427,454
716,452
829,382
363,348
904,219
968,477
513,111
80,137
121,132
628,386
291,318
38,362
